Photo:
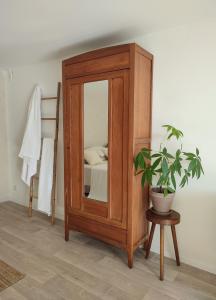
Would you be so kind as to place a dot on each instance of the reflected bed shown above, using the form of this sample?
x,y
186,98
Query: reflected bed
x,y
95,181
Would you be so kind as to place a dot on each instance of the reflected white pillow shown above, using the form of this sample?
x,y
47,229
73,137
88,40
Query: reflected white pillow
x,y
92,157
98,149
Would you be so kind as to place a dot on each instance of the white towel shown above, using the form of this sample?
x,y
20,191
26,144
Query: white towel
x,y
31,145
46,176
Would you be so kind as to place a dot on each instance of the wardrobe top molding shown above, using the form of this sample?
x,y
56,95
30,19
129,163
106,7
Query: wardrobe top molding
x,y
103,60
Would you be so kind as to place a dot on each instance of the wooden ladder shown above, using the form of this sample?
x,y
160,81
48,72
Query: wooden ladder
x,y
36,177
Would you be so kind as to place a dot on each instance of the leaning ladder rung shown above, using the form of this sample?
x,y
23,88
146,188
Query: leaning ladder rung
x,y
49,98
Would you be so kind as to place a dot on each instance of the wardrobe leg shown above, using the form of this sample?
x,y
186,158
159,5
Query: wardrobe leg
x,y
66,234
130,259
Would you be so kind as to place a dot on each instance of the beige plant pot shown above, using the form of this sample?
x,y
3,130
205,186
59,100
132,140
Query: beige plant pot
x,y
161,204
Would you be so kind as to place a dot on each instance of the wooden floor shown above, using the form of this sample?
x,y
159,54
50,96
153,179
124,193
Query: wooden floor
x,y
84,268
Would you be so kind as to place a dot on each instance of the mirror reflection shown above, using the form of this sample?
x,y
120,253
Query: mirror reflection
x,y
95,140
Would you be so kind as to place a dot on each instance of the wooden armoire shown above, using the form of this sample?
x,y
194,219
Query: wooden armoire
x,y
120,220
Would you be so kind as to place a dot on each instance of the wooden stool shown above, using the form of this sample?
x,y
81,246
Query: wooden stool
x,y
172,219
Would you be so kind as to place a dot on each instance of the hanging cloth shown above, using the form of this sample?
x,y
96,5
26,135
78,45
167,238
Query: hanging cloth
x,y
46,176
31,144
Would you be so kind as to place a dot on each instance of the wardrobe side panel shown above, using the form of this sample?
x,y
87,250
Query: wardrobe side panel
x,y
142,138
142,97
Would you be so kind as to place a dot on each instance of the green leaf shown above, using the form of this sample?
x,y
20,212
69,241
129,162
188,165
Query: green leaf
x,y
197,151
170,156
179,167
200,165
201,168
136,163
170,189
168,127
178,152
193,172
169,136
156,163
140,161
146,153
192,165
189,154
143,179
173,132
160,180
164,151
149,176
164,167
183,181
198,171
173,180
156,155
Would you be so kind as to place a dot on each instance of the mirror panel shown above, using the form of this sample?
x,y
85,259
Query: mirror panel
x,y
95,140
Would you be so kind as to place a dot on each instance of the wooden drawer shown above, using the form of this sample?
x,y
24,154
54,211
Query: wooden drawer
x,y
98,65
107,233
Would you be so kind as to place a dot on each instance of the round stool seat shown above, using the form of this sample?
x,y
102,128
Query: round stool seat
x,y
172,219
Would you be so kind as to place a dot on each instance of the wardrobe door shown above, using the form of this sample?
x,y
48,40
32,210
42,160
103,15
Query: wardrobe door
x,y
114,209
73,144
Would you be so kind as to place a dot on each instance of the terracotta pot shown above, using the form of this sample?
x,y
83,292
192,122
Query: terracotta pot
x,y
161,204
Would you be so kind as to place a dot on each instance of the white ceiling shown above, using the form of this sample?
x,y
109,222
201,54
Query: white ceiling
x,y
35,30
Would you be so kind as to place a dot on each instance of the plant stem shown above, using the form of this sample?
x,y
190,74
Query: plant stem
x,y
141,171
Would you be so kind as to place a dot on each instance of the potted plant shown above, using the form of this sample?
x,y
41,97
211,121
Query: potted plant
x,y
166,170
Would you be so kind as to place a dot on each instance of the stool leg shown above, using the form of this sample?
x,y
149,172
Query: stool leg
x,y
150,240
161,252
175,245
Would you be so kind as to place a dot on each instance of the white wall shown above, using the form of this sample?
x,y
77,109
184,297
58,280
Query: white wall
x,y
4,154
20,88
184,94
